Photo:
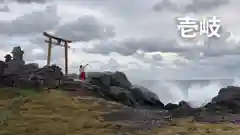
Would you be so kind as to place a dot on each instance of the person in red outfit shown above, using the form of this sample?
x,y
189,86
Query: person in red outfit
x,y
82,72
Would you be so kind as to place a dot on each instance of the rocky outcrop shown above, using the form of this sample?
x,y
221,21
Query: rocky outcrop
x,y
116,86
109,85
226,105
14,72
227,100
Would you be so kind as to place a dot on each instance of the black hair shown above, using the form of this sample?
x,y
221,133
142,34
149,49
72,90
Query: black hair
x,y
81,66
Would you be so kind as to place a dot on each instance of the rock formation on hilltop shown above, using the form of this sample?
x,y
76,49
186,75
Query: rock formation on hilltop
x,y
109,85
115,86
14,72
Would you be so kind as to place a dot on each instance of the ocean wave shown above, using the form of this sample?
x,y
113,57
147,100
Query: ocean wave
x,y
196,92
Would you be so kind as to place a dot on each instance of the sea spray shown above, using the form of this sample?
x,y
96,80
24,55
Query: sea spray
x,y
195,94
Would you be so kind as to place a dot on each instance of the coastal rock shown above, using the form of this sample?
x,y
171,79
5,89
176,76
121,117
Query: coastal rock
x,y
121,95
222,107
116,86
146,97
107,79
183,109
170,106
120,79
227,100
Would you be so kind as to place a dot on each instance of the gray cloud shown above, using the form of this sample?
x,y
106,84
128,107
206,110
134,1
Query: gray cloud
x,y
31,1
4,9
157,57
25,1
216,57
222,66
131,45
165,4
195,6
214,47
86,28
33,23
29,55
205,5
179,62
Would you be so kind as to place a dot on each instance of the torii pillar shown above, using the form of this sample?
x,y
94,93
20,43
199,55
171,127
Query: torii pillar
x,y
58,43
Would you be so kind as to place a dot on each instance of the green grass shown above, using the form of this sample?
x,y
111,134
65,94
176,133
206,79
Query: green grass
x,y
30,112
52,113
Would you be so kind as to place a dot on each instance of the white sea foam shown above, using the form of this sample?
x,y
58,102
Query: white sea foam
x,y
195,94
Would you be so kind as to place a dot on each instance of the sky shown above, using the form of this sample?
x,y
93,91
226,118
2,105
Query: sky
x,y
138,37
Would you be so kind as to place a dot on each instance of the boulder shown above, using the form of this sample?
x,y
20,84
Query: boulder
x,y
227,101
122,95
51,75
183,109
145,97
120,79
13,67
100,78
170,106
2,66
107,79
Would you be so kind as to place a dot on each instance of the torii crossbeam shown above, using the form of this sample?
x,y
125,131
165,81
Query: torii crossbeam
x,y
58,43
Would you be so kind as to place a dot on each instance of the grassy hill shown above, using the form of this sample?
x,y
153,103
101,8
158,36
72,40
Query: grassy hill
x,y
28,112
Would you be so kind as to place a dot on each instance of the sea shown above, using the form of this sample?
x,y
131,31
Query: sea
x,y
197,92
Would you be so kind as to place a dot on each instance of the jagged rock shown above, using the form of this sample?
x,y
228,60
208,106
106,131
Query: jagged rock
x,y
31,66
14,72
116,86
24,83
51,75
170,106
8,58
122,95
108,79
15,66
2,66
105,79
17,53
183,109
225,104
227,100
120,79
146,97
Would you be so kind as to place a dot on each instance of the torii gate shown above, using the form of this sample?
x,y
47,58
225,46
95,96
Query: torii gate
x,y
58,43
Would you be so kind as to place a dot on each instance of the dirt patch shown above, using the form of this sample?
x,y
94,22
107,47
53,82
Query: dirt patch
x,y
79,92
142,120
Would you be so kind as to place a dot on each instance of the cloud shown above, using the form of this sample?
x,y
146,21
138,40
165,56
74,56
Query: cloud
x,y
31,1
27,1
205,5
194,6
214,47
4,9
131,27
131,45
32,23
86,28
157,57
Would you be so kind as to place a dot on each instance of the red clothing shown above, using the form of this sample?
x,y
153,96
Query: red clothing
x,y
82,76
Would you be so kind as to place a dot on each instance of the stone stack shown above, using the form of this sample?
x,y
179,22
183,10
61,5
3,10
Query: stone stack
x,y
14,72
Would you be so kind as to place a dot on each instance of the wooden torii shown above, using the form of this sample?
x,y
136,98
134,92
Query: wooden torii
x,y
58,43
